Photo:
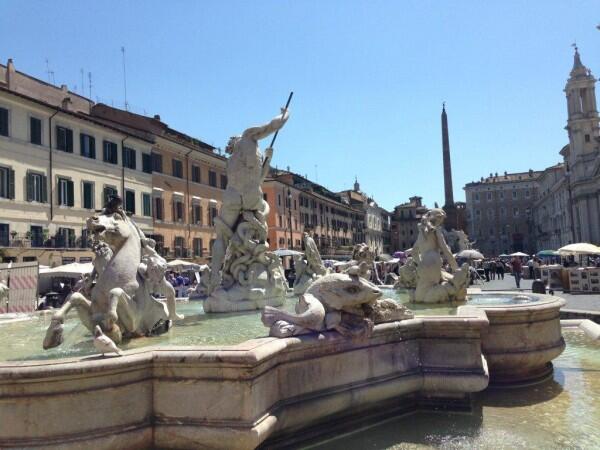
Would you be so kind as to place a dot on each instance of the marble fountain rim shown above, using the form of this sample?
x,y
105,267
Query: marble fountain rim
x,y
249,353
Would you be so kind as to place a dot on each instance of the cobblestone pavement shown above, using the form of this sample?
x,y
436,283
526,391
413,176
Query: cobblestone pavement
x,y
587,302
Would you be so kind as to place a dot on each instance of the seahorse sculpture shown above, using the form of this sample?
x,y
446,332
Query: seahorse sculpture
x,y
118,294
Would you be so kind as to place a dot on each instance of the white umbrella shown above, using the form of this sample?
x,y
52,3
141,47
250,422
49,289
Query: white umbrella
x,y
518,254
286,252
67,270
180,264
581,248
469,254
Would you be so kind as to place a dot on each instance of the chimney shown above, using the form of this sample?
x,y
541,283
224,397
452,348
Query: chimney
x,y
530,172
66,103
10,72
157,117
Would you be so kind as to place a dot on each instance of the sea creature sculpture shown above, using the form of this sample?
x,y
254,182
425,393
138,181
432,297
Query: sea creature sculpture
x,y
348,304
103,343
309,266
434,285
118,295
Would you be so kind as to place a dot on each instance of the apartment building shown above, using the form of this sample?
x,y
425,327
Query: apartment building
x,y
58,164
334,224
405,221
500,212
188,181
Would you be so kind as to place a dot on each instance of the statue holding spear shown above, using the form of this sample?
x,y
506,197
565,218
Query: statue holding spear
x,y
244,211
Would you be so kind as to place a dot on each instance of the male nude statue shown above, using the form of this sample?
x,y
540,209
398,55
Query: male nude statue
x,y
246,170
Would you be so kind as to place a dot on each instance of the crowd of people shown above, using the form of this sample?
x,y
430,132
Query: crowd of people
x,y
181,283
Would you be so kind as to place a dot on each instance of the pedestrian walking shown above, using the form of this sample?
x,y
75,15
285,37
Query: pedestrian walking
x,y
537,263
530,267
486,269
500,268
517,267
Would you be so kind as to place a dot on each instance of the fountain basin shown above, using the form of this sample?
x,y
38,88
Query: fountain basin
x,y
239,397
523,336
268,391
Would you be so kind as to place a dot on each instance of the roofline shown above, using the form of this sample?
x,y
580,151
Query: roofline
x,y
271,179
207,150
78,115
49,84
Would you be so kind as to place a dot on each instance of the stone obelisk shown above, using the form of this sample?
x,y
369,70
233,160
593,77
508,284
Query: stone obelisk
x,y
449,207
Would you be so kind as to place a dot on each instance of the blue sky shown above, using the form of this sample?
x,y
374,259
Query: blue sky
x,y
369,77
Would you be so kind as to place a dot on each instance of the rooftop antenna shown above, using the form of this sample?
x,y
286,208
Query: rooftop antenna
x,y
82,82
124,79
90,82
50,73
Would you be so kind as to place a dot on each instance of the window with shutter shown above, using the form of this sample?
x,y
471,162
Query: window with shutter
x,y
223,181
4,234
157,162
88,195
11,184
3,121
87,146
130,201
70,194
177,168
197,246
129,158
158,208
212,178
146,163
146,205
35,130
36,189
64,139
4,181
110,154
196,178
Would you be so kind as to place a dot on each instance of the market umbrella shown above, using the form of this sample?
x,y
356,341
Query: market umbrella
x,y
547,253
469,254
179,264
286,252
518,254
503,255
581,248
67,270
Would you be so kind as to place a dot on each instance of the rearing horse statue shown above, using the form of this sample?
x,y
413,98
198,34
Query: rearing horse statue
x,y
118,294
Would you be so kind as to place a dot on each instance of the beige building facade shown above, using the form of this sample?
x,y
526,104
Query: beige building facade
x,y
57,166
500,212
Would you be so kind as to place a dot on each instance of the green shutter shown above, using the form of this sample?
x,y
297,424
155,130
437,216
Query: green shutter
x,y
81,144
11,184
4,122
30,194
44,189
69,146
70,194
93,147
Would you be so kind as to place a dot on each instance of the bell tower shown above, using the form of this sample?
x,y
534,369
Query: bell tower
x,y
582,121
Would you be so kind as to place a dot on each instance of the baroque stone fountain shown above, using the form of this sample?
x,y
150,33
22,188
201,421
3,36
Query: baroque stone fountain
x,y
344,353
